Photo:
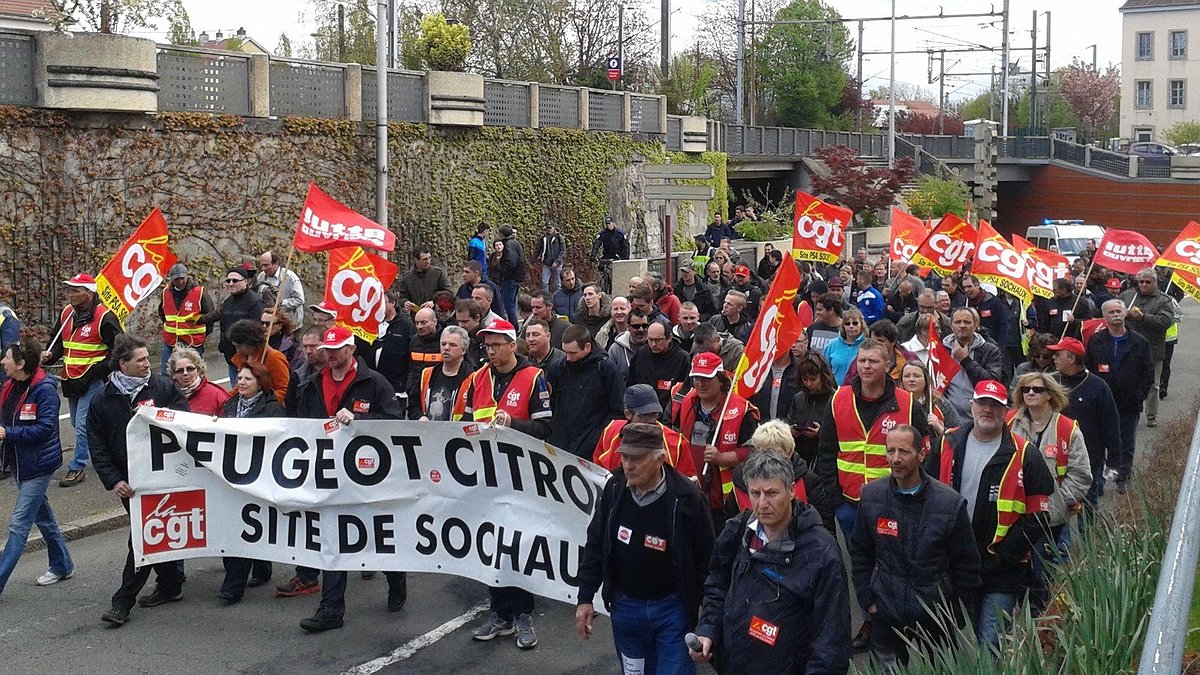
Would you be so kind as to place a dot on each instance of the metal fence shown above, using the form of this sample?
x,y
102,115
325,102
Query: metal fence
x,y
674,133
558,107
790,142
606,110
405,95
307,88
204,81
644,114
505,104
944,147
16,69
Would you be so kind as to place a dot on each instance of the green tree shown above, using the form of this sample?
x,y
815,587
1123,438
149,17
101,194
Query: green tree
x,y
349,40
116,16
935,197
689,87
803,67
284,46
179,31
443,46
1183,132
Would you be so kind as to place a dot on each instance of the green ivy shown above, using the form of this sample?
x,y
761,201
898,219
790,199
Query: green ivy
x,y
719,161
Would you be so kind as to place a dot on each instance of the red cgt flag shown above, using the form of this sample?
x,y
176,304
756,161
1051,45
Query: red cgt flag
x,y
1042,267
1090,326
942,366
354,285
776,328
137,268
325,223
1125,251
947,247
908,232
1184,252
997,262
818,229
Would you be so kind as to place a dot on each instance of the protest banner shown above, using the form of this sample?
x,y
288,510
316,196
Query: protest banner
x,y
325,223
354,284
1124,251
775,330
485,503
947,247
908,231
137,268
997,262
1184,252
818,229
1188,282
1042,267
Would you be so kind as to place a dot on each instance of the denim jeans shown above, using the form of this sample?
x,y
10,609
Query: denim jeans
x,y
551,274
166,354
650,633
79,411
845,515
33,507
1124,463
333,589
995,611
509,290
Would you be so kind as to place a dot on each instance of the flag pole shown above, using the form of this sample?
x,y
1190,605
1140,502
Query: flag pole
x,y
1086,275
287,266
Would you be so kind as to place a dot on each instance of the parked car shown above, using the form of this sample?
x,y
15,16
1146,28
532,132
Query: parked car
x,y
1189,149
1156,154
1068,237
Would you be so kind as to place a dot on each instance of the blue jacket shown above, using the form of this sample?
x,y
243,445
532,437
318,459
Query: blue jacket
x,y
840,355
870,302
477,251
31,446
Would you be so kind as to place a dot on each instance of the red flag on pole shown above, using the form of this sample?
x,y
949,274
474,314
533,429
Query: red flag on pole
x,y
942,366
1184,252
1125,251
947,247
1042,267
817,232
908,232
354,285
325,223
137,268
997,262
776,328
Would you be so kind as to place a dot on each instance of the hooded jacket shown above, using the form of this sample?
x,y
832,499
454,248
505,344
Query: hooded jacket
x,y
585,395
31,447
621,352
793,591
567,300
1072,487
660,371
592,323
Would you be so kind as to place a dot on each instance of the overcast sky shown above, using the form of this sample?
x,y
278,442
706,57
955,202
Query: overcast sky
x,y
1075,25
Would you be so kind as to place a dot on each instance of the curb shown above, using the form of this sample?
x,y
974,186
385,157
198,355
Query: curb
x,y
98,523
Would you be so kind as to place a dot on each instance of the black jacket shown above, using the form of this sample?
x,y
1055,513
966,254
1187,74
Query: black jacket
x,y
1129,384
368,387
1006,570
690,543
247,305
993,316
1091,404
929,557
389,355
660,371
813,490
797,584
585,396
266,406
510,266
108,416
805,409
699,295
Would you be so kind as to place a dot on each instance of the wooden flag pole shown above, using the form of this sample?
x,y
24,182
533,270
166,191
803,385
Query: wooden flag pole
x,y
279,295
1086,275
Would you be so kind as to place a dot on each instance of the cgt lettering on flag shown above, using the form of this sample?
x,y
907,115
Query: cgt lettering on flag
x,y
947,247
137,268
355,285
1184,252
1042,267
817,232
996,261
775,330
908,232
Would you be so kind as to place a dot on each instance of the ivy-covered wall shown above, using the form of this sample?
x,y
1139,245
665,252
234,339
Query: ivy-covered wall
x,y
73,186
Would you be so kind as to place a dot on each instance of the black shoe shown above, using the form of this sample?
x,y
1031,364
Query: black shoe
x,y
1122,487
367,576
160,596
115,616
321,621
255,582
396,599
862,641
228,599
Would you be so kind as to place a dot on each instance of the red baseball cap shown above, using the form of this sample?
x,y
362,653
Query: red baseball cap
x,y
324,308
706,365
991,389
1113,284
742,270
1068,345
82,280
500,327
336,338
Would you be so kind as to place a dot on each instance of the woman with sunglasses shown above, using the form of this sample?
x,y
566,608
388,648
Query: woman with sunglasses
x,y
1038,418
841,353
1038,358
187,370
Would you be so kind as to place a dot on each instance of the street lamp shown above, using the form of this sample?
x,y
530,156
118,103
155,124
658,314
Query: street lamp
x,y
892,94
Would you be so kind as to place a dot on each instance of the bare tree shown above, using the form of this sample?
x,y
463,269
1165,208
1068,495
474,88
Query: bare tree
x,y
116,16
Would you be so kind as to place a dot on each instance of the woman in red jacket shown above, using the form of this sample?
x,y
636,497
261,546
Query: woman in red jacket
x,y
187,370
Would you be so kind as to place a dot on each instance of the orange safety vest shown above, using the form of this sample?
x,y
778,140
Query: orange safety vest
x,y
183,323
678,455
515,400
1012,502
1056,447
82,345
460,399
862,452
798,491
727,438
426,358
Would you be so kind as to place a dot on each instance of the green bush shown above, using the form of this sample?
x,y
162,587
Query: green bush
x,y
769,227
443,46
935,197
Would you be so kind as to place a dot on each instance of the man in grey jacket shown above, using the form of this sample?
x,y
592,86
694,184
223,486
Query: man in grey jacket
x,y
978,359
273,277
551,252
1150,315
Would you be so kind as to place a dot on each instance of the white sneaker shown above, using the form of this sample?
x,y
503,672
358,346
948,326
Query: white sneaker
x,y
52,577
1111,474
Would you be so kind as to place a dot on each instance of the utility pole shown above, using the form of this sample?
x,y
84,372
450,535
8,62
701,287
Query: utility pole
x,y
1046,106
1033,77
739,85
342,33
942,93
1094,57
858,76
381,116
1004,76
665,25
992,95
621,44
753,69
892,94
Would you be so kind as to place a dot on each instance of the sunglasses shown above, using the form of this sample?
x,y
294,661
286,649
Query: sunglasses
x,y
638,326
233,281
1033,390
852,323
185,369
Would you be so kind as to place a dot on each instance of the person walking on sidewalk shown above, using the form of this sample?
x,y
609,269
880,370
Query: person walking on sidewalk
x,y
551,253
1151,313
31,450
85,332
129,386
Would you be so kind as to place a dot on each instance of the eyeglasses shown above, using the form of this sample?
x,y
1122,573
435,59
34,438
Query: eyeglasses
x,y
1145,281
185,369
493,346
1033,390
852,323
657,341
638,326
233,281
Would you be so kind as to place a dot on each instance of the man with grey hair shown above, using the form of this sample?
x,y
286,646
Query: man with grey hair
x,y
273,280
781,539
439,392
1150,315
485,297
648,546
926,304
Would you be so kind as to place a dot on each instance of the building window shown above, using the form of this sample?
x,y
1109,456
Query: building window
x,y
1176,93
1178,44
1145,47
1143,95
1143,134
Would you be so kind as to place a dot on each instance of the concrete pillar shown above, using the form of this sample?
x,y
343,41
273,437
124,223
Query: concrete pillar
x,y
626,115
94,71
534,104
693,134
352,91
662,114
454,99
583,108
260,85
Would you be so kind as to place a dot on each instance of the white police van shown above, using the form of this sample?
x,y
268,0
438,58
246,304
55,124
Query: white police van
x,y
1068,237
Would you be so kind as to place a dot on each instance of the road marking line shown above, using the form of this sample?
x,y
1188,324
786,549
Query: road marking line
x,y
416,644
67,414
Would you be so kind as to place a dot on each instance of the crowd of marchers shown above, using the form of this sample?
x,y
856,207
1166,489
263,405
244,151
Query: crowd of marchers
x,y
715,537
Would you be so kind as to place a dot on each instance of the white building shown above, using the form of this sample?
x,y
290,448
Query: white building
x,y
1160,66
26,14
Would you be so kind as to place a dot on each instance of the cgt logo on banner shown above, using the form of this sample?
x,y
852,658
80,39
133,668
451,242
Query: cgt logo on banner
x,y
1184,252
383,495
1041,267
996,261
947,247
137,268
776,328
908,232
817,233
354,284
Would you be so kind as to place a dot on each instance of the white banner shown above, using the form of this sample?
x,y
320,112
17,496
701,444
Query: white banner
x,y
490,504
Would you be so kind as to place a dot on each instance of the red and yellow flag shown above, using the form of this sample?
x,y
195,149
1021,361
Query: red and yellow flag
x,y
1042,267
942,366
818,230
1184,252
354,285
1189,282
997,262
776,328
908,231
137,268
947,247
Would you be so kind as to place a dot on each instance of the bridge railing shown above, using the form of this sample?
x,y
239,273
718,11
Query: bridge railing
x,y
760,141
16,76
